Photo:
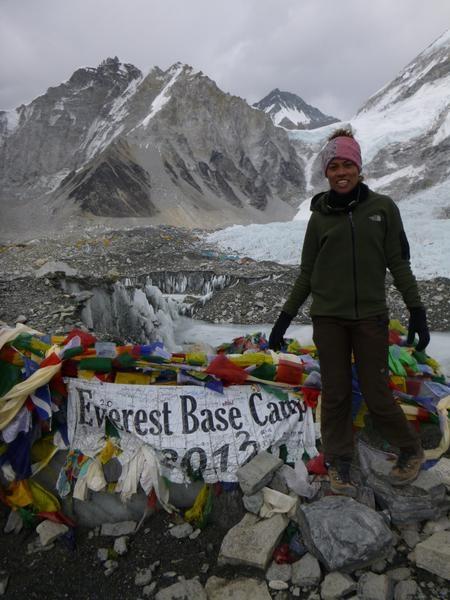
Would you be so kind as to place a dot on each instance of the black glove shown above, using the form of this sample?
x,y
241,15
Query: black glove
x,y
278,330
418,324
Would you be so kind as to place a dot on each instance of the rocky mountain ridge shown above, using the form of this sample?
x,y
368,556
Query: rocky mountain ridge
x,y
290,111
170,146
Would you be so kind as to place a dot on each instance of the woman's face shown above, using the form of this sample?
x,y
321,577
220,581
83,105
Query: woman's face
x,y
342,175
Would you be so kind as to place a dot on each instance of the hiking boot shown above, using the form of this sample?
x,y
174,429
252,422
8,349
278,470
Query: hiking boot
x,y
407,466
340,482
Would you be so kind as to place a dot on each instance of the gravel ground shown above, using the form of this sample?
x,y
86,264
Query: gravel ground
x,y
251,292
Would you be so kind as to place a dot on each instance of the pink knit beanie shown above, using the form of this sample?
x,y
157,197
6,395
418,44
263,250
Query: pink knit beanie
x,y
341,147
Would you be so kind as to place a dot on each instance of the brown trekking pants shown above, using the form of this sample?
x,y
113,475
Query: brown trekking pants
x,y
368,339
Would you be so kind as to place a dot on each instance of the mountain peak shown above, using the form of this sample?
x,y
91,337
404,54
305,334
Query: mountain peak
x,y
108,69
290,111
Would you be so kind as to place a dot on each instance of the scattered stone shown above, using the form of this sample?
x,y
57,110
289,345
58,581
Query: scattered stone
x,y
296,592
169,574
242,588
412,503
14,522
278,481
143,577
399,574
434,554
336,585
279,572
405,590
36,546
277,584
411,538
149,589
21,319
374,587
120,545
379,566
204,568
190,589
102,554
252,541
258,472
412,556
155,565
391,556
4,579
342,533
431,527
118,529
253,503
181,531
48,531
306,571
194,535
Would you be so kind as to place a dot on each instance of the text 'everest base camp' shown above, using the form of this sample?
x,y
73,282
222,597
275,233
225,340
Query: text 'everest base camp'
x,y
154,437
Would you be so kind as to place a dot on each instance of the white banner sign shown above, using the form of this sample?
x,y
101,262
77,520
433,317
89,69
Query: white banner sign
x,y
193,429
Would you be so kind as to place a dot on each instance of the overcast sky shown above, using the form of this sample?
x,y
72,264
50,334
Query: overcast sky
x,y
334,54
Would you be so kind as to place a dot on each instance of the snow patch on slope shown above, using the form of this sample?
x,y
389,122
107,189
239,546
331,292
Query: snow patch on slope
x,y
402,121
294,115
163,97
102,132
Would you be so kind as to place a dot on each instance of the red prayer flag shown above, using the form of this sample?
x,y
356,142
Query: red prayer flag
x,y
227,371
86,339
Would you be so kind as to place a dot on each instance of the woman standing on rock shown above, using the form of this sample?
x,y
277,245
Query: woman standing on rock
x,y
353,236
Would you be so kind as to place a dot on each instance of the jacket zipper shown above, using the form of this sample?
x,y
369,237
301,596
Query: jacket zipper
x,y
352,225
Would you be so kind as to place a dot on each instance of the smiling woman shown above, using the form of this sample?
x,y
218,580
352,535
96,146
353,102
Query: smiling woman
x,y
353,236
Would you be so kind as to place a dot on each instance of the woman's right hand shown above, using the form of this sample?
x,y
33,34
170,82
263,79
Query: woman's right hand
x,y
278,331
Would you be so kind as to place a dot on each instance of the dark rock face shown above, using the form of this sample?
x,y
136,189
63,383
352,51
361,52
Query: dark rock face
x,y
52,131
113,185
279,104
343,534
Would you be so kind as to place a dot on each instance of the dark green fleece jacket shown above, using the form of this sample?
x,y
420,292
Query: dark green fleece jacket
x,y
345,254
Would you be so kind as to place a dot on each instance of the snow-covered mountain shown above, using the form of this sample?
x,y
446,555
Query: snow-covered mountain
x,y
169,146
403,129
292,112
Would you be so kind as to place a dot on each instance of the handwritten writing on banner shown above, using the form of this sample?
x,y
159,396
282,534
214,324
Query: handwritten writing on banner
x,y
191,428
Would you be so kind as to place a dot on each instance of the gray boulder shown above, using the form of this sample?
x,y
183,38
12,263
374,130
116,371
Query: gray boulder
x,y
343,534
191,589
242,588
306,571
252,541
434,554
406,590
412,502
258,472
336,585
374,587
